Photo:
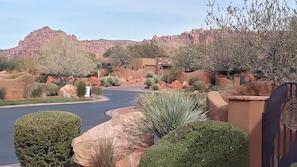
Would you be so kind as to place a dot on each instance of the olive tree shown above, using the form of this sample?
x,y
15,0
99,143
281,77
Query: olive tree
x,y
267,27
64,59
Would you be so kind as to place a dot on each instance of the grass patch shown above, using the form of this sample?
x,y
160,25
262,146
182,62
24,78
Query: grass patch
x,y
42,100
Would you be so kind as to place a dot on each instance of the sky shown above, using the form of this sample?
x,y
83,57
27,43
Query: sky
x,y
100,19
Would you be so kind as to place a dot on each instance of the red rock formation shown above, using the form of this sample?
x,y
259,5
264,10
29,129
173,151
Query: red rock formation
x,y
35,40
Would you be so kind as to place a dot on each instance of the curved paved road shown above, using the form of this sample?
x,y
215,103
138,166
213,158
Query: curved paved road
x,y
92,113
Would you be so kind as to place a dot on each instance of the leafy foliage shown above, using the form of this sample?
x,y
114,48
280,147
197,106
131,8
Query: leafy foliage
x,y
2,93
199,85
167,111
44,138
266,30
191,57
64,59
81,89
200,143
110,81
121,56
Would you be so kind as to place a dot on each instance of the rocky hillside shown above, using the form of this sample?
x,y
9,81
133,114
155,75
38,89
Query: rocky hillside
x,y
35,40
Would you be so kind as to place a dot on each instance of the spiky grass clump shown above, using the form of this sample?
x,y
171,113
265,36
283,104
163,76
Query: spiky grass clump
x,y
103,154
166,111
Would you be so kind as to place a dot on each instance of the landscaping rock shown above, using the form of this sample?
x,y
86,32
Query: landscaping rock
x,y
176,85
68,91
128,148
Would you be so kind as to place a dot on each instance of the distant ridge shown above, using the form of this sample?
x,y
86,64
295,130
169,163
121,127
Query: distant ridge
x,y
35,40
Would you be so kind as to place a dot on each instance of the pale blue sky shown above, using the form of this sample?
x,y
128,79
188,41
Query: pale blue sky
x,y
100,19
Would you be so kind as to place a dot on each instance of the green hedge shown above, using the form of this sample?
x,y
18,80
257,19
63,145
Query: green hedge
x,y
200,144
44,138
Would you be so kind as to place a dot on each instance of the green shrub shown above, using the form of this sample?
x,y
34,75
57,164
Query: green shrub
x,y
50,89
2,93
156,79
81,89
110,81
149,74
199,85
192,80
44,138
36,91
96,90
167,111
149,82
13,76
155,87
201,144
117,81
165,77
216,88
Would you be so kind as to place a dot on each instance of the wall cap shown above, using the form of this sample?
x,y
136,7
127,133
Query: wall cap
x,y
248,98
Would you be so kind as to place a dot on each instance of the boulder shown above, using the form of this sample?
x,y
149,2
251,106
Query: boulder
x,y
176,85
50,79
68,91
128,148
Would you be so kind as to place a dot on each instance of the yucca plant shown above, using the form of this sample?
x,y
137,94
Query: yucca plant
x,y
103,154
165,112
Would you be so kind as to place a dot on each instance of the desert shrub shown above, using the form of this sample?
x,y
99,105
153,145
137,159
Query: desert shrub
x,y
192,80
174,74
164,77
167,111
216,88
36,90
199,85
7,65
81,89
155,87
201,144
44,138
149,82
2,93
103,154
27,82
96,90
50,89
110,81
156,79
149,74
117,81
16,75
229,87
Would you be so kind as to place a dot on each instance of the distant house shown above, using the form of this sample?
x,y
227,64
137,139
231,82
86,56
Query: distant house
x,y
157,65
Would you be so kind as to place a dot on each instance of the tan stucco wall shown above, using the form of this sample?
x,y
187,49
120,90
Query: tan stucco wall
x,y
120,72
14,88
246,113
200,74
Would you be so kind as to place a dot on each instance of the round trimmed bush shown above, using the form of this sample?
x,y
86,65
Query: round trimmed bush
x,y
96,90
155,87
149,74
44,138
199,85
200,144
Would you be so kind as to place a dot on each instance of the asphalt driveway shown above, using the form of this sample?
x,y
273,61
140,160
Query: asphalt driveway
x,y
91,113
